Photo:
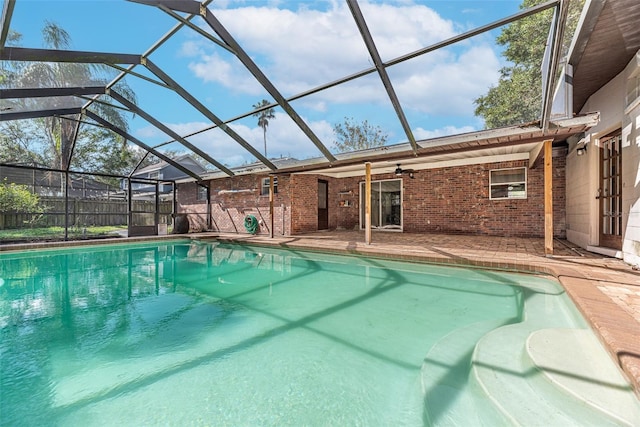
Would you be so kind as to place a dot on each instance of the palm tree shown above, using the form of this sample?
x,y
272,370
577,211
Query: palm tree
x,y
263,119
59,131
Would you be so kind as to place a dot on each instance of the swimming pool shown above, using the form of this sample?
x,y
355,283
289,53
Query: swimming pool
x,y
187,332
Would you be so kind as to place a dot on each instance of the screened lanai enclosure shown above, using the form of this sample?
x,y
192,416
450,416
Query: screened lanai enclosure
x,y
106,105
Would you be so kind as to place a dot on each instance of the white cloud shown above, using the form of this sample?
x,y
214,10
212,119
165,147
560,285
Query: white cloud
x,y
286,139
283,138
449,86
191,48
420,133
212,68
401,30
302,49
147,132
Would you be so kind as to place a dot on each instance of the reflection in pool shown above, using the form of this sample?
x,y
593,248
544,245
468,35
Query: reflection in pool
x,y
184,332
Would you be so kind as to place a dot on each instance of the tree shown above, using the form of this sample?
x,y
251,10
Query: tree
x,y
13,38
352,136
263,119
17,198
105,153
56,133
517,98
19,142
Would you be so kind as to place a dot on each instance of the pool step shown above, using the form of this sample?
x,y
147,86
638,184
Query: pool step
x,y
448,397
574,353
527,380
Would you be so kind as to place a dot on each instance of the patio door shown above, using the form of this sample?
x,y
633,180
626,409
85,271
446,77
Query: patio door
x,y
610,191
323,205
386,204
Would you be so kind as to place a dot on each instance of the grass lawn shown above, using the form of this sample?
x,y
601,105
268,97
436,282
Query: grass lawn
x,y
58,232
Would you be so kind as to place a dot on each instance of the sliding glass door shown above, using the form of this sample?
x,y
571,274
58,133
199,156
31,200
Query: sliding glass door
x,y
386,204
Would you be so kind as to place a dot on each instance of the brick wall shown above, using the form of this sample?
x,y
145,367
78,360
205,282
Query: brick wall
x,y
447,200
232,199
186,199
343,207
456,200
304,203
559,193
347,205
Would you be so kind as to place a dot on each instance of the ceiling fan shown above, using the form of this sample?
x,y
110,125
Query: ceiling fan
x,y
399,171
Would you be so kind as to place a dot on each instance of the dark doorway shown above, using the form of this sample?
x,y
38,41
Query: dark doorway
x,y
323,205
610,192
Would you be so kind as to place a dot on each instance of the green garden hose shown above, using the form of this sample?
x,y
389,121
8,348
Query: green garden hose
x,y
251,224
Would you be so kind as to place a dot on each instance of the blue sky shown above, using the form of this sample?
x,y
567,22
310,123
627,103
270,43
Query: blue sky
x,y
299,45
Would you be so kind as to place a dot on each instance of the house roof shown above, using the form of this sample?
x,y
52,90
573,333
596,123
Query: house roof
x,y
183,160
507,143
608,37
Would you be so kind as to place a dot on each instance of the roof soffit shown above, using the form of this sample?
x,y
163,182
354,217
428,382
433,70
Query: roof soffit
x,y
609,29
473,145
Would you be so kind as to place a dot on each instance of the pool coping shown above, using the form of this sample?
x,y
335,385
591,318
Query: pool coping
x,y
591,282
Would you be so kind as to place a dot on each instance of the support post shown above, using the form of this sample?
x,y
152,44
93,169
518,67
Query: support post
x,y
367,204
130,207
271,205
156,214
548,198
174,208
66,205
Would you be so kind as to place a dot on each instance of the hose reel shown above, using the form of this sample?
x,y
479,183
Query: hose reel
x,y
251,224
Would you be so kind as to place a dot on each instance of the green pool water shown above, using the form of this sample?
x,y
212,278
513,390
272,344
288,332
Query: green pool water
x,y
190,333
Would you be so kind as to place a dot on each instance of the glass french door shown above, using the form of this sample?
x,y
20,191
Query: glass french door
x,y
386,204
610,192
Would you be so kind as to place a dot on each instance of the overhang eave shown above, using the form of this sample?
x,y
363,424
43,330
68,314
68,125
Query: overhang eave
x,y
468,145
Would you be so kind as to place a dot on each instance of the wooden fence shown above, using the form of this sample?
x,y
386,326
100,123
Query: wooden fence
x,y
83,212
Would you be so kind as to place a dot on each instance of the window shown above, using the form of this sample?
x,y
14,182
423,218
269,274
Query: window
x,y
632,98
508,184
202,193
155,175
264,191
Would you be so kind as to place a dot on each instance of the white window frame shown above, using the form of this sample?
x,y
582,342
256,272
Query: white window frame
x,y
393,228
264,186
632,97
492,185
201,193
